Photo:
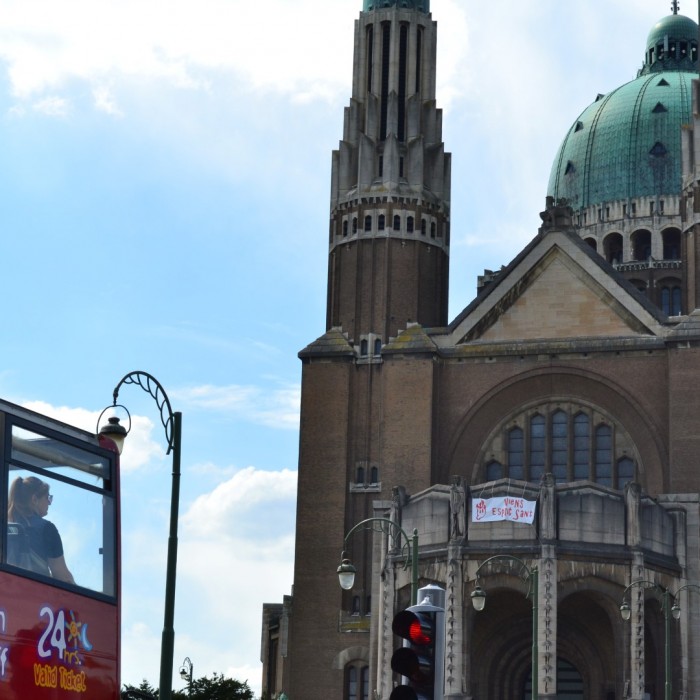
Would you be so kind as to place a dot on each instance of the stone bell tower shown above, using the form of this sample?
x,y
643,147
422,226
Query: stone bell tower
x,y
390,187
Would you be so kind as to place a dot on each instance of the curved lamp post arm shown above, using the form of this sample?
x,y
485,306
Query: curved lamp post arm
x,y
675,608
530,573
384,525
153,387
172,423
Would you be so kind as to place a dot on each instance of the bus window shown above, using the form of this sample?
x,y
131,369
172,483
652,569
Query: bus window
x,y
59,635
76,505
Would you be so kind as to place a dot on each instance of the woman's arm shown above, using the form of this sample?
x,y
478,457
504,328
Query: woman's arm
x,y
59,569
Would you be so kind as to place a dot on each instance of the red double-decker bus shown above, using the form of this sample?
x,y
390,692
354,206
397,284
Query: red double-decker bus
x,y
59,599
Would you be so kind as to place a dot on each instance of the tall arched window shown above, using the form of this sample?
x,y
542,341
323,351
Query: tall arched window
x,y
603,455
397,222
381,222
625,472
409,224
537,447
569,441
368,223
357,681
582,446
560,445
515,453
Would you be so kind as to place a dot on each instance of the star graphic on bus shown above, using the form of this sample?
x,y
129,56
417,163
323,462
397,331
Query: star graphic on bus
x,y
77,633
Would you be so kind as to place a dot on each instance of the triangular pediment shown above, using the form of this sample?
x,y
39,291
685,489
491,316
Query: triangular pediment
x,y
557,289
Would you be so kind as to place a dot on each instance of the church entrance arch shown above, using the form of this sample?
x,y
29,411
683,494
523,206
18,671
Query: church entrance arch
x,y
588,656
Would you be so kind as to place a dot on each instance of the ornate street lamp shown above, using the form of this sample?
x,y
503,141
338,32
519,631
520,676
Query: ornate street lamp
x,y
186,671
478,597
172,423
346,571
670,608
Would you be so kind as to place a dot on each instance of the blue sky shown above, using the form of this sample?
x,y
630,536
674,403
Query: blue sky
x,y
164,190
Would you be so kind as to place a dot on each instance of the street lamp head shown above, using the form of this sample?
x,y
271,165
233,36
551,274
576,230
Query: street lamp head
x,y
115,432
478,598
625,610
346,573
676,610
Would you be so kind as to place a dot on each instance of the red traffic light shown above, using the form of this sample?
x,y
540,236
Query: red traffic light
x,y
417,627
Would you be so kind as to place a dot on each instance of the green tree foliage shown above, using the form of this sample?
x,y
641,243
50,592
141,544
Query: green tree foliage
x,y
218,687
145,691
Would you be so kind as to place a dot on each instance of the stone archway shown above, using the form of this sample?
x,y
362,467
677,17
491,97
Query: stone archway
x,y
589,655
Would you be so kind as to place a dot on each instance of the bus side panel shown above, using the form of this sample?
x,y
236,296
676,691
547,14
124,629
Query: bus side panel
x,y
55,644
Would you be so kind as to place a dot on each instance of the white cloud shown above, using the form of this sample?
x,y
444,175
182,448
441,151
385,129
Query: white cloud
x,y
86,40
275,408
236,548
230,504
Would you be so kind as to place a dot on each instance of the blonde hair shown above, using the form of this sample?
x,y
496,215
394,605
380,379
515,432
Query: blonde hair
x,y
22,490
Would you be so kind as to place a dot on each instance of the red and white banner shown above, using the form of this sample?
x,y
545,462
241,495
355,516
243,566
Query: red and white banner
x,y
517,510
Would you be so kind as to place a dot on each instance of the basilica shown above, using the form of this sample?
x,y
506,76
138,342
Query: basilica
x,y
535,457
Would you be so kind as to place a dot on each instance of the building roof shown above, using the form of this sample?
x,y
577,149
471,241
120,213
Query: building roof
x,y
627,144
421,5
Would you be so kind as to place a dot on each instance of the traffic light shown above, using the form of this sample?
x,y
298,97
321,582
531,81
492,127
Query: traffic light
x,y
421,658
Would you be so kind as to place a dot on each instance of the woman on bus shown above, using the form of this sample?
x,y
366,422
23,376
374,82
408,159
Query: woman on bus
x,y
28,505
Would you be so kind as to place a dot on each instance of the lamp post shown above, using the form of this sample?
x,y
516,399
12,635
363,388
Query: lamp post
x,y
172,423
186,671
346,571
670,608
478,597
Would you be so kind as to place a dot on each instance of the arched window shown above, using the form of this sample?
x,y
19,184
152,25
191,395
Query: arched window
x,y
345,227
672,244
374,475
603,455
363,347
357,681
537,447
433,229
666,300
515,453
569,441
409,224
641,245
612,248
625,472
360,475
377,346
354,225
560,445
368,223
381,222
397,222
582,446
423,227
494,471
675,301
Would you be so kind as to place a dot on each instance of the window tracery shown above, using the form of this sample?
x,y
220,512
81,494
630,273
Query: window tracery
x,y
573,442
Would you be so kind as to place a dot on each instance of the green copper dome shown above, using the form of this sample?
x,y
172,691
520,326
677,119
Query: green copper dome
x,y
627,144
422,5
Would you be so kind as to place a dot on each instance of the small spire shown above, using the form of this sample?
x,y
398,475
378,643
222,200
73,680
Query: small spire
x,y
675,6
